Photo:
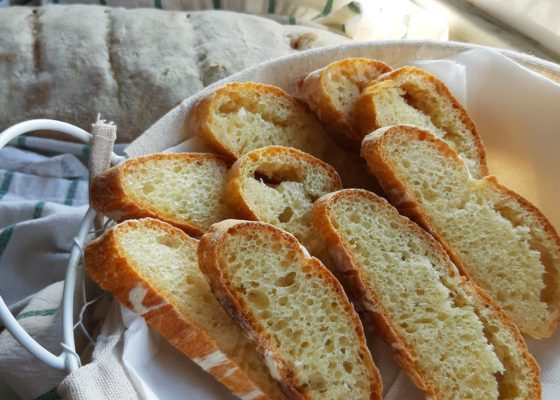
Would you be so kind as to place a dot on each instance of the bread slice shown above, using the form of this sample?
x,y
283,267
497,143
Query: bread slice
x,y
495,237
292,307
278,185
152,268
332,92
241,117
453,341
409,95
184,189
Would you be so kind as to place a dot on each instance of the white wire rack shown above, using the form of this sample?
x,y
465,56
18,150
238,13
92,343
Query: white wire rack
x,y
68,360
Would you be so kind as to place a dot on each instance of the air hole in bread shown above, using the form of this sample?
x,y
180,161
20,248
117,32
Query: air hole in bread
x,y
258,298
287,280
169,241
272,175
347,366
148,188
286,215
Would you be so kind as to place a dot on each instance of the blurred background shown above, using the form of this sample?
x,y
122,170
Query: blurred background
x,y
529,26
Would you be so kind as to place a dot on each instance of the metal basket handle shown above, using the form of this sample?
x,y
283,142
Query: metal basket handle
x,y
68,360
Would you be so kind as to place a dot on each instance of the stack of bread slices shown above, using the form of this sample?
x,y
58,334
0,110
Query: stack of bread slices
x,y
264,262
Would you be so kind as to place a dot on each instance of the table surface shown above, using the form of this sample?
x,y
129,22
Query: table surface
x,y
468,23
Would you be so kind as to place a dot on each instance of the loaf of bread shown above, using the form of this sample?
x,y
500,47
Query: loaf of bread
x,y
293,308
495,237
152,268
332,92
278,185
409,95
71,62
184,189
241,117
453,341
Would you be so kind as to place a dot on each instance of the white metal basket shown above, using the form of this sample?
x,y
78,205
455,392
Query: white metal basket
x,y
68,360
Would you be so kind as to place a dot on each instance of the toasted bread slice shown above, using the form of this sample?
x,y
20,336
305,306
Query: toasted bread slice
x,y
292,307
152,268
241,117
332,92
409,95
495,237
184,189
278,185
448,335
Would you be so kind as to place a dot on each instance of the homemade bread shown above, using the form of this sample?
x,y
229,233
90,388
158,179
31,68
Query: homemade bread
x,y
152,268
292,307
495,237
448,335
184,189
70,62
409,95
332,92
278,185
241,117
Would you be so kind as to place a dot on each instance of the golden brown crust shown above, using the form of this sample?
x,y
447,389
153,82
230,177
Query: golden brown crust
x,y
111,270
365,111
350,274
240,170
373,151
213,266
109,196
367,119
315,93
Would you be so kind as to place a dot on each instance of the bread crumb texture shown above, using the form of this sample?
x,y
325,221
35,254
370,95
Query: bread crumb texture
x,y
412,96
280,185
241,117
306,320
170,264
332,92
344,81
425,304
506,246
189,189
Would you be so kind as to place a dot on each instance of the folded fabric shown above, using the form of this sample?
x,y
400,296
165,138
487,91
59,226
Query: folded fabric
x,y
358,19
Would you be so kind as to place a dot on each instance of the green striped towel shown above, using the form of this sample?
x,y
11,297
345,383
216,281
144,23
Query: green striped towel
x,y
43,198
357,19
